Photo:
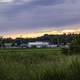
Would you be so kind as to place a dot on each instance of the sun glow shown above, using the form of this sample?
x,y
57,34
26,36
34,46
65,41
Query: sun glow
x,y
38,34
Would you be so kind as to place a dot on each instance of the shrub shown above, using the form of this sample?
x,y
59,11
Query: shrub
x,y
74,47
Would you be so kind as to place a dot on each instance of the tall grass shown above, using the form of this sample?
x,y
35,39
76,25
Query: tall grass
x,y
40,64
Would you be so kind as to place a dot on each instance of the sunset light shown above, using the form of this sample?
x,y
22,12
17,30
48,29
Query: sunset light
x,y
38,34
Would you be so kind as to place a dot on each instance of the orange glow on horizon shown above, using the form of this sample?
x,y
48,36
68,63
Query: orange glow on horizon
x,y
38,34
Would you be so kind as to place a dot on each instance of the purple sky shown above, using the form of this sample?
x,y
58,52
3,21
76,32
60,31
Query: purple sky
x,y
38,15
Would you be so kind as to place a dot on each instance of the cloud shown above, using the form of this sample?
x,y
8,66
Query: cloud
x,y
31,15
6,1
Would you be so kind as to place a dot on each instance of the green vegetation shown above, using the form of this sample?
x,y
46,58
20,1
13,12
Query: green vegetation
x,y
38,64
73,47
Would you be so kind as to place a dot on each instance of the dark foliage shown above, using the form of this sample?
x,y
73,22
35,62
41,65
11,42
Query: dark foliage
x,y
56,39
74,47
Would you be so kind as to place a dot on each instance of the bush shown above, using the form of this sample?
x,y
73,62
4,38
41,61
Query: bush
x,y
74,47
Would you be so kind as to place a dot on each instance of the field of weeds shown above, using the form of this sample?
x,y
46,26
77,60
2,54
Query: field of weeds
x,y
38,64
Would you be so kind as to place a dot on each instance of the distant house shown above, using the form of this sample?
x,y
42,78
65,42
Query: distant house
x,y
52,45
24,45
37,44
8,45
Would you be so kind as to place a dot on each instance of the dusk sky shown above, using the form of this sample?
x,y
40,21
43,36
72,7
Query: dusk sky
x,y
23,16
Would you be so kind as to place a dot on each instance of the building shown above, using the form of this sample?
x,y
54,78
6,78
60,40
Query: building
x,y
52,45
38,44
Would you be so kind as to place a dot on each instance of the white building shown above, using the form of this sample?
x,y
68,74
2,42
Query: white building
x,y
52,46
38,44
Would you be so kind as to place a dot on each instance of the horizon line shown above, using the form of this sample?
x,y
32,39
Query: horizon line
x,y
40,33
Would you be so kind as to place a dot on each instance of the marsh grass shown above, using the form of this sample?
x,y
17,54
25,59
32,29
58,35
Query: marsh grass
x,y
38,64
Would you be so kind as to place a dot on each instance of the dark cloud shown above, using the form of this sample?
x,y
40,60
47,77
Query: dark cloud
x,y
46,2
34,15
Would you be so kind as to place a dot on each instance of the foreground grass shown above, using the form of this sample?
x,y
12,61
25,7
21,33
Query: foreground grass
x,y
38,64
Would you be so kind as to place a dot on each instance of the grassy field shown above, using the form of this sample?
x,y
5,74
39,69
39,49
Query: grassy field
x,y
38,64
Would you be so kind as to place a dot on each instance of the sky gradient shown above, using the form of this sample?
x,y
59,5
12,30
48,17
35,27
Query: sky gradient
x,y
28,16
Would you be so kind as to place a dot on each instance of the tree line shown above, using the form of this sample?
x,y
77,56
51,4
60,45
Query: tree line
x,y
54,39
